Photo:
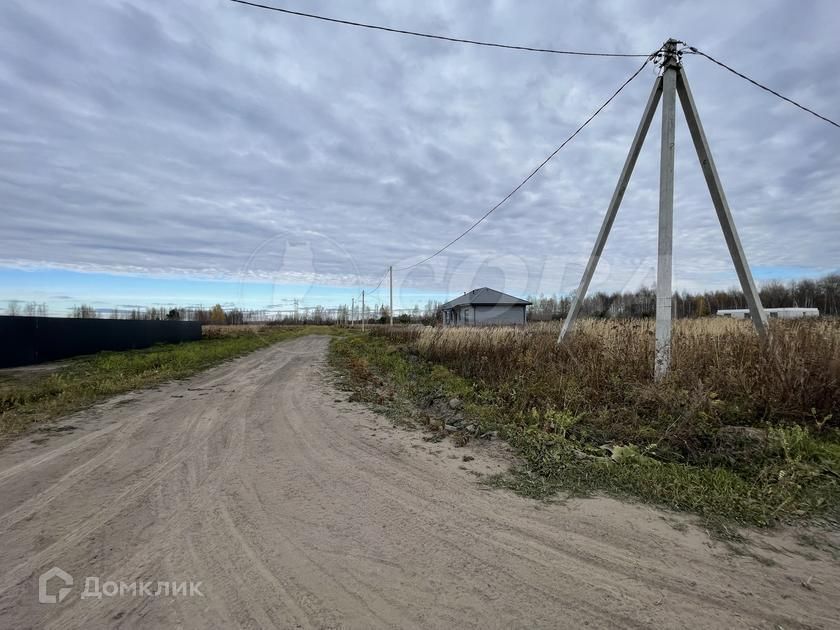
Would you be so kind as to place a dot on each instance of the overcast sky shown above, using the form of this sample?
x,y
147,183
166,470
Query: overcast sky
x,y
210,140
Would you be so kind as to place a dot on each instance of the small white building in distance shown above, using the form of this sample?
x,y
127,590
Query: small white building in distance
x,y
776,313
484,307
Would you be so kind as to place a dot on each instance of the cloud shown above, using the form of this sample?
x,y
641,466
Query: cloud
x,y
205,139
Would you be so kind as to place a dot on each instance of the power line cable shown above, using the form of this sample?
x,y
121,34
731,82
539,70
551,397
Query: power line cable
x,y
536,170
381,280
371,292
439,37
763,87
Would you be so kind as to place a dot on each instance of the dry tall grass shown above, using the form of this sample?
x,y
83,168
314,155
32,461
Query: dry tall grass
x,y
722,375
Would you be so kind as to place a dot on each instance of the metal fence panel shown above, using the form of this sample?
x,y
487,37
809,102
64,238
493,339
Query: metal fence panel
x,y
28,340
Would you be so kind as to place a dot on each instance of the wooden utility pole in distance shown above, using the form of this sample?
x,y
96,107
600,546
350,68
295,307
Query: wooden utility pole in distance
x,y
391,308
672,82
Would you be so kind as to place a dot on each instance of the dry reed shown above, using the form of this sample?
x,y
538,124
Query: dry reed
x,y
722,375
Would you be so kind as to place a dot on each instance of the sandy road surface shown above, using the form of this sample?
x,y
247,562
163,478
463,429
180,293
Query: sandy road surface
x,y
295,508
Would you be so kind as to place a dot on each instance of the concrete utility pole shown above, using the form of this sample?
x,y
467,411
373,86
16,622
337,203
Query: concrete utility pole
x,y
672,82
664,266
352,311
363,310
391,309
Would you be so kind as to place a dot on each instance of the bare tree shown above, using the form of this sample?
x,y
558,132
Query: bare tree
x,y
85,311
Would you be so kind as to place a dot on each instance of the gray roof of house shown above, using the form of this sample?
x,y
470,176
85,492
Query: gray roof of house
x,y
484,297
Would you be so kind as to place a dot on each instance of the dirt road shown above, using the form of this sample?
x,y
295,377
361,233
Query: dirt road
x,y
295,508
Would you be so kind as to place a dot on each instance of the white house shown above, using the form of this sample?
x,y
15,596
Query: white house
x,y
484,307
776,313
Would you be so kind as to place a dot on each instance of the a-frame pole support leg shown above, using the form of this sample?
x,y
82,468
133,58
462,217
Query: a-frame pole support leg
x,y
612,209
736,250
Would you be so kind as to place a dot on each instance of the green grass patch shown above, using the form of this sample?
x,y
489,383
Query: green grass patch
x,y
37,394
792,475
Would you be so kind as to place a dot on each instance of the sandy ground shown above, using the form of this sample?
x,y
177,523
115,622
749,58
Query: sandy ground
x,y
296,508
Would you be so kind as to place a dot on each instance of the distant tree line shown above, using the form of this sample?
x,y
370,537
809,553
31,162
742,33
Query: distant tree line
x,y
26,309
316,315
217,314
823,293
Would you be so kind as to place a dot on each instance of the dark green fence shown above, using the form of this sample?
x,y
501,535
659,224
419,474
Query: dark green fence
x,y
27,340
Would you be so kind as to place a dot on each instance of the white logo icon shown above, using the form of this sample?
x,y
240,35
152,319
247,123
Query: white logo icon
x,y
63,592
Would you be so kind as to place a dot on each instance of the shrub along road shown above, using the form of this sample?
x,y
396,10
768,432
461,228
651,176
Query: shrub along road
x,y
295,507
